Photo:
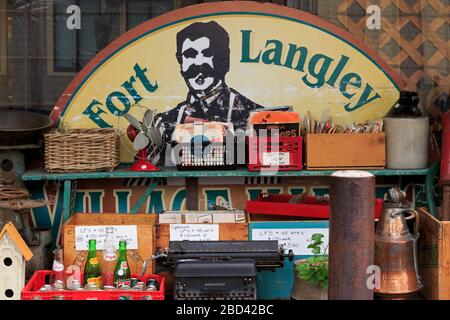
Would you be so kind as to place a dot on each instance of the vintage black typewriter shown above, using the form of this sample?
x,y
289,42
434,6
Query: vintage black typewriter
x,y
221,270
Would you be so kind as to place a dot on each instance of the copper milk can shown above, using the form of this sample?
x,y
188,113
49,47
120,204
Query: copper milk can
x,y
396,250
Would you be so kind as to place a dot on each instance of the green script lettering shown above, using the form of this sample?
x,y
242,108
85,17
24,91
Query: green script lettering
x,y
140,73
364,99
349,79
273,55
128,85
319,76
337,72
113,108
319,67
246,48
93,112
303,53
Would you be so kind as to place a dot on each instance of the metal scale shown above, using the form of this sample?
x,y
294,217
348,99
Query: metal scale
x,y
20,135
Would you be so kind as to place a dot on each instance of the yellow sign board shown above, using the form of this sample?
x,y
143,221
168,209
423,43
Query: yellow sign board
x,y
220,62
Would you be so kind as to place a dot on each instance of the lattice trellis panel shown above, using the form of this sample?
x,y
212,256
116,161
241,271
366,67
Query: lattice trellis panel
x,y
414,40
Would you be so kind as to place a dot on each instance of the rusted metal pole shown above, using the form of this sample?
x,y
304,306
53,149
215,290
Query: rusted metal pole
x,y
352,207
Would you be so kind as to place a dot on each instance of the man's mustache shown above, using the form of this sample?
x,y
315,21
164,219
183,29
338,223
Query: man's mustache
x,y
194,70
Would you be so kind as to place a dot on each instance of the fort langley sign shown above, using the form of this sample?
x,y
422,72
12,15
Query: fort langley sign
x,y
261,55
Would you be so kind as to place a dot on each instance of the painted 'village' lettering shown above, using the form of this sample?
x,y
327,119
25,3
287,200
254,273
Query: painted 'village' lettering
x,y
318,71
117,102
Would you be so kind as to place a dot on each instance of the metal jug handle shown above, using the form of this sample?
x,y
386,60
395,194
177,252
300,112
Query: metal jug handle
x,y
415,240
415,215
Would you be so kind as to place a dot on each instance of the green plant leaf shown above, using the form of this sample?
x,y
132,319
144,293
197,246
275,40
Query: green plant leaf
x,y
317,237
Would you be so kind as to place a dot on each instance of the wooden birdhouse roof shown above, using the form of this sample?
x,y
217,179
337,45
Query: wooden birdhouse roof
x,y
18,240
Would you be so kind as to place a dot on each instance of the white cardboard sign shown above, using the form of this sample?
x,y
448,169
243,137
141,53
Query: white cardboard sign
x,y
194,232
84,233
295,239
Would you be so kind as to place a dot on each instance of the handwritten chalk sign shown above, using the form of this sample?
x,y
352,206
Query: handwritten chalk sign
x,y
194,232
84,233
295,239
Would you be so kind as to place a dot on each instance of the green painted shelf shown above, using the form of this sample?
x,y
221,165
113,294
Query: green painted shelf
x,y
172,172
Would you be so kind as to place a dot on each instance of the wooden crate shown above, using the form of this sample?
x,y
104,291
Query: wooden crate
x,y
434,256
345,151
145,237
227,231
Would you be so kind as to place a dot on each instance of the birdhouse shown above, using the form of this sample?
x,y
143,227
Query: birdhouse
x,y
14,253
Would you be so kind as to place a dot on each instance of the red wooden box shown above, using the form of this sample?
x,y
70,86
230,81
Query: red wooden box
x,y
278,204
30,291
274,154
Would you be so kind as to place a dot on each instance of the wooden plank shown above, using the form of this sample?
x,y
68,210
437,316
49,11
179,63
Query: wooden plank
x,y
146,237
366,150
345,168
66,199
429,241
434,256
444,262
227,231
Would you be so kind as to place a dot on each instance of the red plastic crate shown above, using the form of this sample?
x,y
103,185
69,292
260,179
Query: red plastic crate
x,y
278,204
30,291
285,154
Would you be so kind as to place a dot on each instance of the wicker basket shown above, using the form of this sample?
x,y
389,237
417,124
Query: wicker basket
x,y
81,150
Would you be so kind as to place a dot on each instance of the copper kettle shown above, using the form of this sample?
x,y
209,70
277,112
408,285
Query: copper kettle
x,y
396,248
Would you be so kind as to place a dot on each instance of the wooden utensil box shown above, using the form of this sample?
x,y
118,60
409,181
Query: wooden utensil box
x,y
345,151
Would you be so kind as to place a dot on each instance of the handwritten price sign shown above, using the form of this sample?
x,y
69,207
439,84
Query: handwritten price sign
x,y
194,232
295,239
84,233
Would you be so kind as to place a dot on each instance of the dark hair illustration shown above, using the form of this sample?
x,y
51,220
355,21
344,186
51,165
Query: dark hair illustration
x,y
219,43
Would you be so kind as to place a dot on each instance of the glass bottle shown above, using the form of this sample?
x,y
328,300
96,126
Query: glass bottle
x,y
57,275
406,106
122,274
109,258
92,273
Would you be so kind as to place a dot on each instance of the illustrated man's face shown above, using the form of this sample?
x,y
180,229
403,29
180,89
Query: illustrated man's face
x,y
197,63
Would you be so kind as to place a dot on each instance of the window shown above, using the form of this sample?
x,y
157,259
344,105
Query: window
x,y
3,37
139,11
101,22
304,5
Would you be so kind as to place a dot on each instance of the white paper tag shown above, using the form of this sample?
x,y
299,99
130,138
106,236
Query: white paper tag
x,y
84,233
295,239
194,232
276,158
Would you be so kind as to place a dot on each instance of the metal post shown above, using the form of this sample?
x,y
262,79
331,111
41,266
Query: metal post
x,y
352,207
67,197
